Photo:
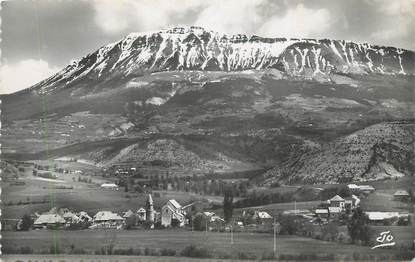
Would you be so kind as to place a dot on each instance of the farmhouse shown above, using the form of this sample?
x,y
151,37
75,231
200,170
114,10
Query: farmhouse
x,y
401,195
171,211
48,220
107,219
337,201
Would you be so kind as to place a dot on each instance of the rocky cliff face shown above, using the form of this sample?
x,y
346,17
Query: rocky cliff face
x,y
193,48
377,152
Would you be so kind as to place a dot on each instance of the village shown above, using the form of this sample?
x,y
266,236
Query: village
x,y
122,201
173,215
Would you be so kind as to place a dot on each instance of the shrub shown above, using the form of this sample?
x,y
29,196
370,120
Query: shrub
x,y
54,249
79,251
194,251
147,251
125,252
26,250
245,256
26,222
167,252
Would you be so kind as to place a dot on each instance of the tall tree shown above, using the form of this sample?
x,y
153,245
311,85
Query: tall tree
x,y
228,204
358,228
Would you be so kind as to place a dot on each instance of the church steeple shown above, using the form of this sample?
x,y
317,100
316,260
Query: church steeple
x,y
149,209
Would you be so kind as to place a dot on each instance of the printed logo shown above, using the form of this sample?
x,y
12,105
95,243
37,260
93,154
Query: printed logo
x,y
385,239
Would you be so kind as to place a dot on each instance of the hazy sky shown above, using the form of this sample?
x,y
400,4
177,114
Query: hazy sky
x,y
41,37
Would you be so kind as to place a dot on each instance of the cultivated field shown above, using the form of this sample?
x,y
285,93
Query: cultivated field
x,y
219,243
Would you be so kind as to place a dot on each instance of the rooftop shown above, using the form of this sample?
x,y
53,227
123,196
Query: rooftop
x,y
49,219
336,198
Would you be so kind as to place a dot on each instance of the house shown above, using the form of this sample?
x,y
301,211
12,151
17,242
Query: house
x,y
351,203
215,222
401,195
70,218
49,220
141,214
171,211
337,201
107,219
262,217
130,219
84,217
128,214
109,186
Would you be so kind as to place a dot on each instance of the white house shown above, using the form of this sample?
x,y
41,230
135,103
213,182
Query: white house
x,y
172,210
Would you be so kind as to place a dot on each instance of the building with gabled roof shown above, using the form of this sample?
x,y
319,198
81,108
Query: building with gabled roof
x,y
170,211
336,201
49,219
84,217
107,219
128,214
70,217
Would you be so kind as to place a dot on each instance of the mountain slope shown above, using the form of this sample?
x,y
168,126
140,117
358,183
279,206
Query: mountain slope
x,y
221,102
380,151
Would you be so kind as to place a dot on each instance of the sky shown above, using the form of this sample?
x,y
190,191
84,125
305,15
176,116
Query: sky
x,y
38,38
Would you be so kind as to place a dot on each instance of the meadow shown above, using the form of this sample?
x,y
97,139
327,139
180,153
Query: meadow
x,y
218,243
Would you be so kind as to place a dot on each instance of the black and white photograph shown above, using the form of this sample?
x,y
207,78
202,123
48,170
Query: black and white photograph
x,y
207,130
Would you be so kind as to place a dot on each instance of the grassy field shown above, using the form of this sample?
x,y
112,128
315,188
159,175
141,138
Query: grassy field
x,y
219,243
74,258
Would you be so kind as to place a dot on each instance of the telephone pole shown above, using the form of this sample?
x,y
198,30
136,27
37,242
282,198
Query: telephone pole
x,y
275,238
232,233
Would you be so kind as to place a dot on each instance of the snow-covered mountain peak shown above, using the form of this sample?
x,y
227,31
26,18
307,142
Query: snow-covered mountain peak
x,y
194,48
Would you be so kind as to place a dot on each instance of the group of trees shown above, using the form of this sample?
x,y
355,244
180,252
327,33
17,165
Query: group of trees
x,y
265,198
195,184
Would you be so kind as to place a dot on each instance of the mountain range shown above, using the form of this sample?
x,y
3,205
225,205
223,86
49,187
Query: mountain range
x,y
306,110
